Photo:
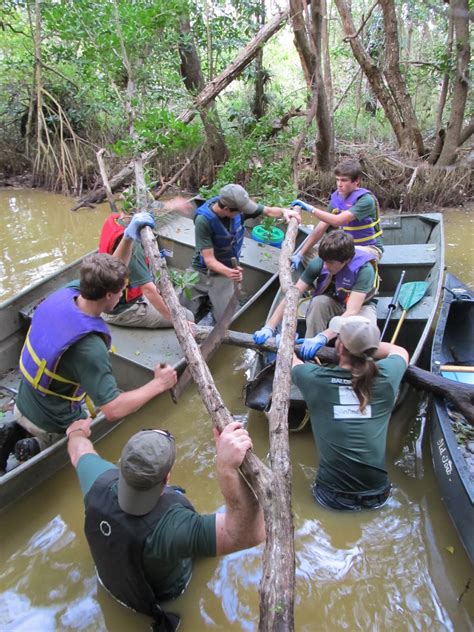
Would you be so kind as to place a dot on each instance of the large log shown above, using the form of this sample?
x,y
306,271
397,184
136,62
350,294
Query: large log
x,y
202,100
270,487
278,579
461,396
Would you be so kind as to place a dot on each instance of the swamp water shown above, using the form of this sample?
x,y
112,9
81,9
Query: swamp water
x,y
399,568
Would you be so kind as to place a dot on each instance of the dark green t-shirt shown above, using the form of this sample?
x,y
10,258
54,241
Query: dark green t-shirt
x,y
203,234
179,536
363,208
364,282
351,444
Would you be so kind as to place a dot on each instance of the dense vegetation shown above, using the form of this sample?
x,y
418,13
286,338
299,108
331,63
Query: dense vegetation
x,y
386,81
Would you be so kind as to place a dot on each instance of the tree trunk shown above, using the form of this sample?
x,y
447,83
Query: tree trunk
x,y
325,140
259,102
308,34
374,77
194,81
206,96
327,74
460,15
394,77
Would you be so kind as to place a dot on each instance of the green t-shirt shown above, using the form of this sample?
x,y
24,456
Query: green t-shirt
x,y
203,234
138,274
363,208
179,536
87,362
351,444
364,282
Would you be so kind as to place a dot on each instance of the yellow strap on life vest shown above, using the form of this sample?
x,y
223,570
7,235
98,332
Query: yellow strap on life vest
x,y
34,380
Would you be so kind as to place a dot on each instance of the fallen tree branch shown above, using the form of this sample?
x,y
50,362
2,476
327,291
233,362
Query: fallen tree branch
x,y
461,396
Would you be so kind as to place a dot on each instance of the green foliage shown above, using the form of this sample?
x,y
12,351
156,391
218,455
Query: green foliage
x,y
182,281
160,129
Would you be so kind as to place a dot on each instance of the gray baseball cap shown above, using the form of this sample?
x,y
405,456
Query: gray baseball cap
x,y
146,459
356,333
235,196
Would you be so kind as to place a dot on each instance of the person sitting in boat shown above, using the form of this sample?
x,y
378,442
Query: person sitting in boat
x,y
141,304
350,406
219,234
143,533
345,282
352,208
65,359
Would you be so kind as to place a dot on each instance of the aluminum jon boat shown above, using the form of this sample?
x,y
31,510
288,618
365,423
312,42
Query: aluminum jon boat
x,y
452,356
413,243
137,351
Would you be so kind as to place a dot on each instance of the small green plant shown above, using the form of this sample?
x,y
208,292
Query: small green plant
x,y
183,281
268,223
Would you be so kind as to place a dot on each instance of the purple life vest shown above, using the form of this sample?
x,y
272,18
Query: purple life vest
x,y
45,345
345,279
363,231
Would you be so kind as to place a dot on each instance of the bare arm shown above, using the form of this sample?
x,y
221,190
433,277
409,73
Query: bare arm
x,y
78,434
314,237
124,250
151,293
277,315
341,219
286,213
216,266
242,524
386,348
130,401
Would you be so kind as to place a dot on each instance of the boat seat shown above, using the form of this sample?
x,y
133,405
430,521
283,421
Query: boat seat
x,y
420,311
416,259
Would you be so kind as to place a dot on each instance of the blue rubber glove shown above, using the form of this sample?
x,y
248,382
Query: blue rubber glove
x,y
303,205
138,221
296,261
262,335
311,346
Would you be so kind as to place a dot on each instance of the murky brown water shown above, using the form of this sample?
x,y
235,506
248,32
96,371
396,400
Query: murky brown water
x,y
386,570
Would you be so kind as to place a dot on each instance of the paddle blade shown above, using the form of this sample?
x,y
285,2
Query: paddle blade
x,y
411,293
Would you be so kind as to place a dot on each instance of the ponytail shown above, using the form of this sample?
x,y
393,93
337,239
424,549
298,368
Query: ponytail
x,y
364,370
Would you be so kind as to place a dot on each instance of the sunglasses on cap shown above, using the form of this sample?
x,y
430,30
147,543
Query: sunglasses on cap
x,y
165,433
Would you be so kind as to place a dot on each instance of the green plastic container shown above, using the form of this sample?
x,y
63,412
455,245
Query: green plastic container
x,y
273,237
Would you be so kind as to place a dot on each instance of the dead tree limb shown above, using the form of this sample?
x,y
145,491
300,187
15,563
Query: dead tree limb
x,y
461,396
206,96
270,487
167,185
278,579
105,180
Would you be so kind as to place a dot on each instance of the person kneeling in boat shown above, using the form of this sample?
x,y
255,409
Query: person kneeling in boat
x,y
219,231
65,359
351,208
143,533
350,407
141,304
345,281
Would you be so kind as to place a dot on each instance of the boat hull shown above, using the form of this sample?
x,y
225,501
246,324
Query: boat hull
x,y
453,344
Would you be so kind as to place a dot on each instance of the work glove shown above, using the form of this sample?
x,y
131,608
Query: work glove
x,y
310,346
303,205
262,335
296,261
138,221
